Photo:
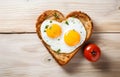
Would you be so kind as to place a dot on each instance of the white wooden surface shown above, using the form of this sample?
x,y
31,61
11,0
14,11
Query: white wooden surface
x,y
21,15
23,55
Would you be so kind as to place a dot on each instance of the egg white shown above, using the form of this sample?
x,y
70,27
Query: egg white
x,y
58,43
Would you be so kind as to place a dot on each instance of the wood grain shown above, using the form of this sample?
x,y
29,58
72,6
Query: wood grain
x,y
23,55
21,15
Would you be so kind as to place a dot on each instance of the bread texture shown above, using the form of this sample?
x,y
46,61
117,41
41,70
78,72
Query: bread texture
x,y
64,58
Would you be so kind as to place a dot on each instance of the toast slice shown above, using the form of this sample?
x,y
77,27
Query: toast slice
x,y
64,58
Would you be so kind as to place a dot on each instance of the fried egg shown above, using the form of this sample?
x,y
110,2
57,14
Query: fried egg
x,y
63,37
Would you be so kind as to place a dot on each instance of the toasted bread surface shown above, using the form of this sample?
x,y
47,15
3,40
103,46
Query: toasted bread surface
x,y
63,58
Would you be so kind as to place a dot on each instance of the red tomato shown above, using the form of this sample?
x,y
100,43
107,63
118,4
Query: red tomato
x,y
92,52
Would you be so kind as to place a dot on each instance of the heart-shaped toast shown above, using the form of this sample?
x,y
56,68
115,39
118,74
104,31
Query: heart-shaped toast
x,y
63,36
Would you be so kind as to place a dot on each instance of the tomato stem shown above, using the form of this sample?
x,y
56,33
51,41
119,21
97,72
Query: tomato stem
x,y
93,53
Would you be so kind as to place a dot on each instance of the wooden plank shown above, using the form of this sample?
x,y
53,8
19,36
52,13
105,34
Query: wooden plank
x,y
23,55
21,15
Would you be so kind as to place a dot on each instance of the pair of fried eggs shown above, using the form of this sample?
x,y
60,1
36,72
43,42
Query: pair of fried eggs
x,y
63,37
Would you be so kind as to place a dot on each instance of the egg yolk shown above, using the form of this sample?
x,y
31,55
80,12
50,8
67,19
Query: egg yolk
x,y
53,31
72,38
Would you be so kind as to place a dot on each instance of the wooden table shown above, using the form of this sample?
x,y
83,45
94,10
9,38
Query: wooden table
x,y
23,55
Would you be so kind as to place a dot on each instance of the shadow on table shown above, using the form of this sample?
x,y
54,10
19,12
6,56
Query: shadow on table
x,y
103,65
74,64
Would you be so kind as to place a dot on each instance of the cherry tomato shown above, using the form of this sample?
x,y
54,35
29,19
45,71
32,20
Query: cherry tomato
x,y
92,52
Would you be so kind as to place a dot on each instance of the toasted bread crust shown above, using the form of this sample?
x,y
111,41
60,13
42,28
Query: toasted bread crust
x,y
62,58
